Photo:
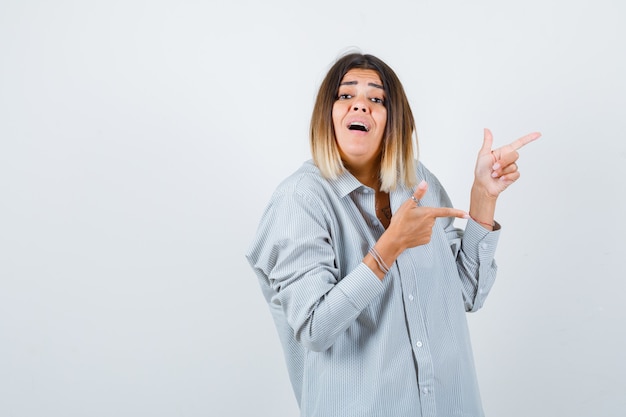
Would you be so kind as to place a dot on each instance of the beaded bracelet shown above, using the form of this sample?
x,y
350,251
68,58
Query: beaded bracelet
x,y
379,260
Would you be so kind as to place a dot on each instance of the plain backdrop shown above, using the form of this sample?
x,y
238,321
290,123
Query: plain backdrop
x,y
141,140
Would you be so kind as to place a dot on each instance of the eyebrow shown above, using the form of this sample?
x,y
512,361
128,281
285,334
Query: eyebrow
x,y
356,82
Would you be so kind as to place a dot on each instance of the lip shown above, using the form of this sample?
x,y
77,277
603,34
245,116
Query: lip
x,y
364,122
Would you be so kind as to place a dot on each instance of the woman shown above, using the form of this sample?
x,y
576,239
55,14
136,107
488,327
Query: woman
x,y
367,278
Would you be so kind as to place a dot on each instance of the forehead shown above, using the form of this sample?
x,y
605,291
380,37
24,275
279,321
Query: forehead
x,y
360,75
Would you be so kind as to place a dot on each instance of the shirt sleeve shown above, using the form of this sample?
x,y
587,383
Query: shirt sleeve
x,y
293,257
474,250
476,264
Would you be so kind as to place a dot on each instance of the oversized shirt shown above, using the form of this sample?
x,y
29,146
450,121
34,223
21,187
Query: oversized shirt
x,y
356,345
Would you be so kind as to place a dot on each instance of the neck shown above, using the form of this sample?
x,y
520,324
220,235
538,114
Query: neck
x,y
369,175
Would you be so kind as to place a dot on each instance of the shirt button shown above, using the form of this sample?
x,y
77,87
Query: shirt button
x,y
425,390
411,297
484,245
419,344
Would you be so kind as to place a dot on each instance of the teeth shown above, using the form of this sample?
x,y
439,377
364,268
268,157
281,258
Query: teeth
x,y
358,126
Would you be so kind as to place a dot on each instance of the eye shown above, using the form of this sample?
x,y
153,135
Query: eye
x,y
377,100
344,97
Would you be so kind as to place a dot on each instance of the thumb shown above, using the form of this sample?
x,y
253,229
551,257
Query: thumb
x,y
421,189
487,142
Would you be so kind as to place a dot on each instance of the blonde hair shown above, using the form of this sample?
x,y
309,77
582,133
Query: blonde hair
x,y
397,164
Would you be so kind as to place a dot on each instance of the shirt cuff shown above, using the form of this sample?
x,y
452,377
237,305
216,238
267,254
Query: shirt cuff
x,y
361,286
479,242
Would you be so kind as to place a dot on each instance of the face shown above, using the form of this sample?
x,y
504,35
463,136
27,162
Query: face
x,y
359,118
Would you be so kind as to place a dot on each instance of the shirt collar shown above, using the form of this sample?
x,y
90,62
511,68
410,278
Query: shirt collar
x,y
345,183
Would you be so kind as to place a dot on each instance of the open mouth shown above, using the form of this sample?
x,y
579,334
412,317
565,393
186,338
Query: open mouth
x,y
358,126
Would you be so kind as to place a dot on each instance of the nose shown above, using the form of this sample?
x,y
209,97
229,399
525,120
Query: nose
x,y
360,104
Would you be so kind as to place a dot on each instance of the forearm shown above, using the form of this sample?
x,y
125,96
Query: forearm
x,y
482,207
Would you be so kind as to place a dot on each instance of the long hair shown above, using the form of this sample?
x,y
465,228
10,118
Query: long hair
x,y
397,165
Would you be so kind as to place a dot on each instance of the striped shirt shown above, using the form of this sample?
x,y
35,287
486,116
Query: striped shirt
x,y
356,345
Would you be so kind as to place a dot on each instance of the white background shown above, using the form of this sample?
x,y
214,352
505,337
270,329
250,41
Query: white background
x,y
140,141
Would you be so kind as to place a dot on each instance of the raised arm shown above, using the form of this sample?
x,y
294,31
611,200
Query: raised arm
x,y
496,170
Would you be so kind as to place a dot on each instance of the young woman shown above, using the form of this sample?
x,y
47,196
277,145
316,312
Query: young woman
x,y
366,276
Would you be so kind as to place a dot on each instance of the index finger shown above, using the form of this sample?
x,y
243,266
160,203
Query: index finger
x,y
448,212
524,140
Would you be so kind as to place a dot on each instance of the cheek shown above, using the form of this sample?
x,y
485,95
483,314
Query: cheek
x,y
382,127
382,119
337,115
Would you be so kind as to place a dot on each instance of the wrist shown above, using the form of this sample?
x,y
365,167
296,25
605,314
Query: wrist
x,y
487,225
482,208
390,246
479,192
